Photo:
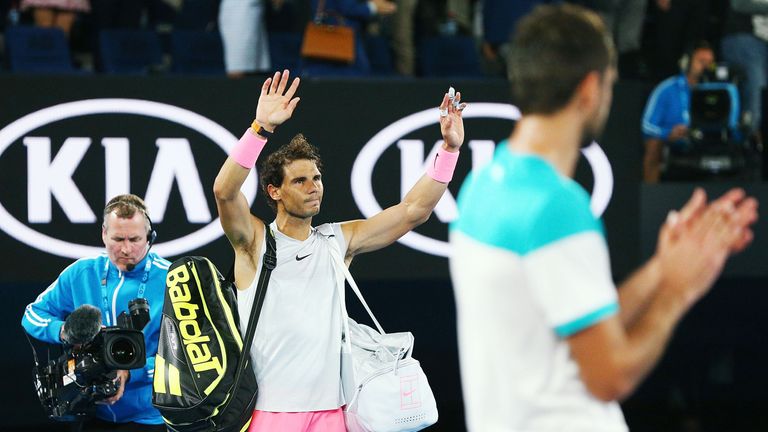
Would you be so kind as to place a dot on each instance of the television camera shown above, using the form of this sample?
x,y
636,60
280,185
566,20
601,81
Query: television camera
x,y
69,386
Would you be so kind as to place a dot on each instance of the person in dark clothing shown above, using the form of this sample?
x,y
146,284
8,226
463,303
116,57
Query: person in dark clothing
x,y
745,46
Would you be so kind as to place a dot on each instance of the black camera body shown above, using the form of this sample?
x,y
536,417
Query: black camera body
x,y
71,385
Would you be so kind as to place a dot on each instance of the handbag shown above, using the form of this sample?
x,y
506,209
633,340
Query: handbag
x,y
385,388
328,42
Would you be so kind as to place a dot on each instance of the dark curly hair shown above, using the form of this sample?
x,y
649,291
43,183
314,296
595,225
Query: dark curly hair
x,y
271,171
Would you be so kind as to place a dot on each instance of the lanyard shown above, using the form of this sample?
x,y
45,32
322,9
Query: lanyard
x,y
144,278
104,296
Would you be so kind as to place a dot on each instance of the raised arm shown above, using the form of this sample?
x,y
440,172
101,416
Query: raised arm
x,y
244,231
392,223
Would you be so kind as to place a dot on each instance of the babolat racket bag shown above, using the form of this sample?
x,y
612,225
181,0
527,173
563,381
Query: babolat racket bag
x,y
203,378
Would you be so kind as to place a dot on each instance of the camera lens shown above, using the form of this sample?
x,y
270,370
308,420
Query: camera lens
x,y
123,351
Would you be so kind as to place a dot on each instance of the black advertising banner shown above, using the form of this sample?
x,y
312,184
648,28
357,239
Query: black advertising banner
x,y
68,144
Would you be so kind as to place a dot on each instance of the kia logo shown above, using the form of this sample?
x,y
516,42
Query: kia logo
x,y
413,166
50,178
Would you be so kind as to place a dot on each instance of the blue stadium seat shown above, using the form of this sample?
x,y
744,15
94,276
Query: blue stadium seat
x,y
285,51
449,57
37,50
129,51
379,55
197,52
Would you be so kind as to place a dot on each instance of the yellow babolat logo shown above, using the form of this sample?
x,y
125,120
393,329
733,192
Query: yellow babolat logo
x,y
174,378
196,344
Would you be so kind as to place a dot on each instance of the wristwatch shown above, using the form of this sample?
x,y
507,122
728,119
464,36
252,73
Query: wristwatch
x,y
259,130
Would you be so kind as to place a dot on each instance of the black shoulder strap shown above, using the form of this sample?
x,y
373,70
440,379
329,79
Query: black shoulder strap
x,y
270,261
231,275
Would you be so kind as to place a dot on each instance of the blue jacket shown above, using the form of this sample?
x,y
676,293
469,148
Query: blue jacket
x,y
668,106
98,282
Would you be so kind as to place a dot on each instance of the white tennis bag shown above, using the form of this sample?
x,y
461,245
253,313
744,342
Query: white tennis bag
x,y
385,388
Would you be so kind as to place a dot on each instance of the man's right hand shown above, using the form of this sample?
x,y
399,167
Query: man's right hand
x,y
276,105
678,133
695,243
121,379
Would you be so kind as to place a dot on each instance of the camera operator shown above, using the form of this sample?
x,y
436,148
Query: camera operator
x,y
667,113
108,281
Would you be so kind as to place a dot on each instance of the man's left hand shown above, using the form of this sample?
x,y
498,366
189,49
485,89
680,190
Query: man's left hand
x,y
121,379
451,123
276,101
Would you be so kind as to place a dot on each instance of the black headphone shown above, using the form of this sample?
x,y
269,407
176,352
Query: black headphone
x,y
152,234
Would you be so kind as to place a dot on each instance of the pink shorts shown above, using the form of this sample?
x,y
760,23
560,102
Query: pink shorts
x,y
312,421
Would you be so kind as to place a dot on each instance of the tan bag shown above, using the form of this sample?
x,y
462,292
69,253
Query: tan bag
x,y
328,42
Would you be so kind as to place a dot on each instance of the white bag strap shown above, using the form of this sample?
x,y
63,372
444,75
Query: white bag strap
x,y
347,344
340,264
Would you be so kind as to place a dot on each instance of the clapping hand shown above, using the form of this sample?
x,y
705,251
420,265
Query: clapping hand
x,y
695,242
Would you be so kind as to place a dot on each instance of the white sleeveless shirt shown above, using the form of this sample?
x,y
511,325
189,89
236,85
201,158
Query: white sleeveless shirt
x,y
297,345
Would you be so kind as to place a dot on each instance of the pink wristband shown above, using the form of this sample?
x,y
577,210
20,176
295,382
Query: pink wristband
x,y
247,150
441,169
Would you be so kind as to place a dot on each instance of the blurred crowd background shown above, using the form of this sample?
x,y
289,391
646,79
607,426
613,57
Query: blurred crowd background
x,y
422,38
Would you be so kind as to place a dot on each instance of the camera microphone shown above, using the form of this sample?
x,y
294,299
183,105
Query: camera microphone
x,y
82,325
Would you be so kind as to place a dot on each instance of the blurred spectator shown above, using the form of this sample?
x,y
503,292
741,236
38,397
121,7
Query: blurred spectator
x,y
355,14
55,13
403,36
462,13
244,34
625,20
667,114
679,25
745,45
444,17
